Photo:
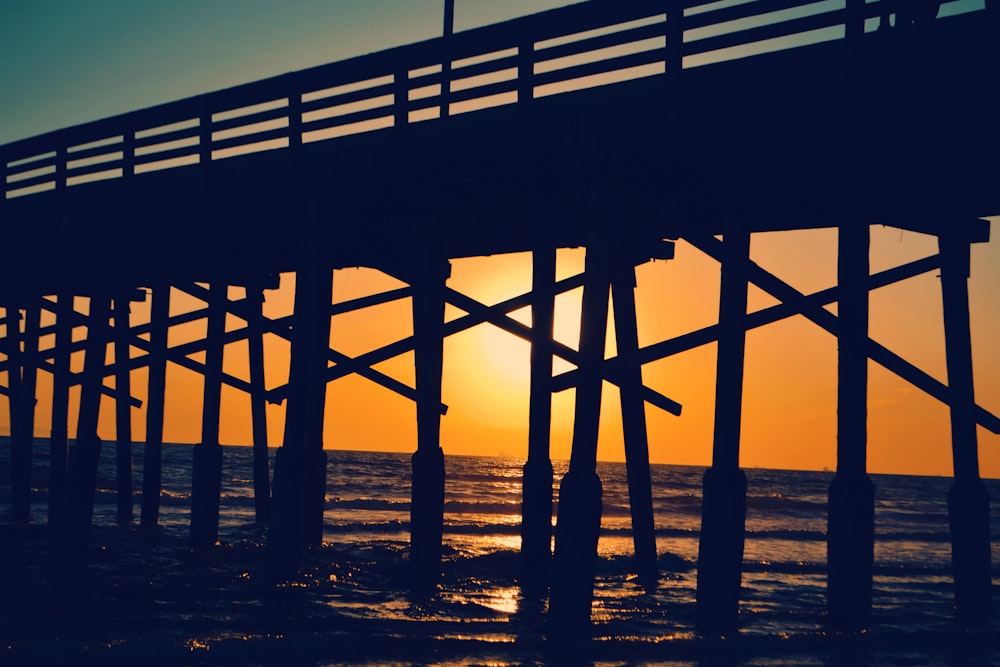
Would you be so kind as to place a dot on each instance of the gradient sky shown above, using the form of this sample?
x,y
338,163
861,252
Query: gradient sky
x,y
70,62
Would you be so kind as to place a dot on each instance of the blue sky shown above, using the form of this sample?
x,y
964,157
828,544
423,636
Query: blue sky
x,y
70,61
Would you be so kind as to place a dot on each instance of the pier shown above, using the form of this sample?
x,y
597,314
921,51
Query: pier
x,y
621,128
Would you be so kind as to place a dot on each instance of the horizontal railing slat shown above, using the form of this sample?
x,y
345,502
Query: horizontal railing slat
x,y
347,98
601,42
166,137
744,11
83,170
250,119
252,138
480,92
96,151
171,154
348,119
488,67
759,34
30,166
28,182
600,67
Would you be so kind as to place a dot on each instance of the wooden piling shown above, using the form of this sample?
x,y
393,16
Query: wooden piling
x,y
851,512
85,451
258,406
152,457
633,407
968,500
123,409
206,483
536,484
580,493
300,464
22,376
59,433
723,517
427,490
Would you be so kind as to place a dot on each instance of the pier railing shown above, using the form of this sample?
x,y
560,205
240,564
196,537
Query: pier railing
x,y
581,46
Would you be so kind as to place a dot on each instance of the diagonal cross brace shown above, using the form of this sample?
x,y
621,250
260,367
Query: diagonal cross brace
x,y
347,365
611,372
763,317
828,321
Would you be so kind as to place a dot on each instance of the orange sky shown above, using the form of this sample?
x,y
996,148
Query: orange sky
x,y
790,380
790,386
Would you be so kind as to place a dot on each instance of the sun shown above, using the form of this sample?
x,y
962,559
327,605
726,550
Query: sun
x,y
509,356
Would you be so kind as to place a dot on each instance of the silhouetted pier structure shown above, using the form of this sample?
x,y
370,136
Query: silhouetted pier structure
x,y
618,127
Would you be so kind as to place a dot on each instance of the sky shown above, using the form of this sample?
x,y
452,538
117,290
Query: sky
x,y
67,62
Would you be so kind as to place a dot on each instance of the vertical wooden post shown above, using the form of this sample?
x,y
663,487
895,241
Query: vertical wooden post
x,y
23,375
258,406
851,514
427,489
59,434
580,493
723,515
300,464
86,450
449,27
854,25
633,405
207,469
152,457
675,38
968,500
536,489
123,409
20,461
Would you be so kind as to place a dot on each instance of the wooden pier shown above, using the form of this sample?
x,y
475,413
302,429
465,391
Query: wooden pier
x,y
617,127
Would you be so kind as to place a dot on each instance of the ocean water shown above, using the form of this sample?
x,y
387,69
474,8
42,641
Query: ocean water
x,y
354,586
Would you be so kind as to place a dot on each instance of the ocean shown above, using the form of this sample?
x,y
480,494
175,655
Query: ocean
x,y
152,600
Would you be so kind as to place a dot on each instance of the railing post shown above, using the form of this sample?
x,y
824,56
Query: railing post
x,y
401,98
128,153
675,37
205,139
295,119
449,27
526,70
3,179
60,176
854,24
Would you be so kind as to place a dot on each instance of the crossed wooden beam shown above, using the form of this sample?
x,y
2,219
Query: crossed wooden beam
x,y
792,302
